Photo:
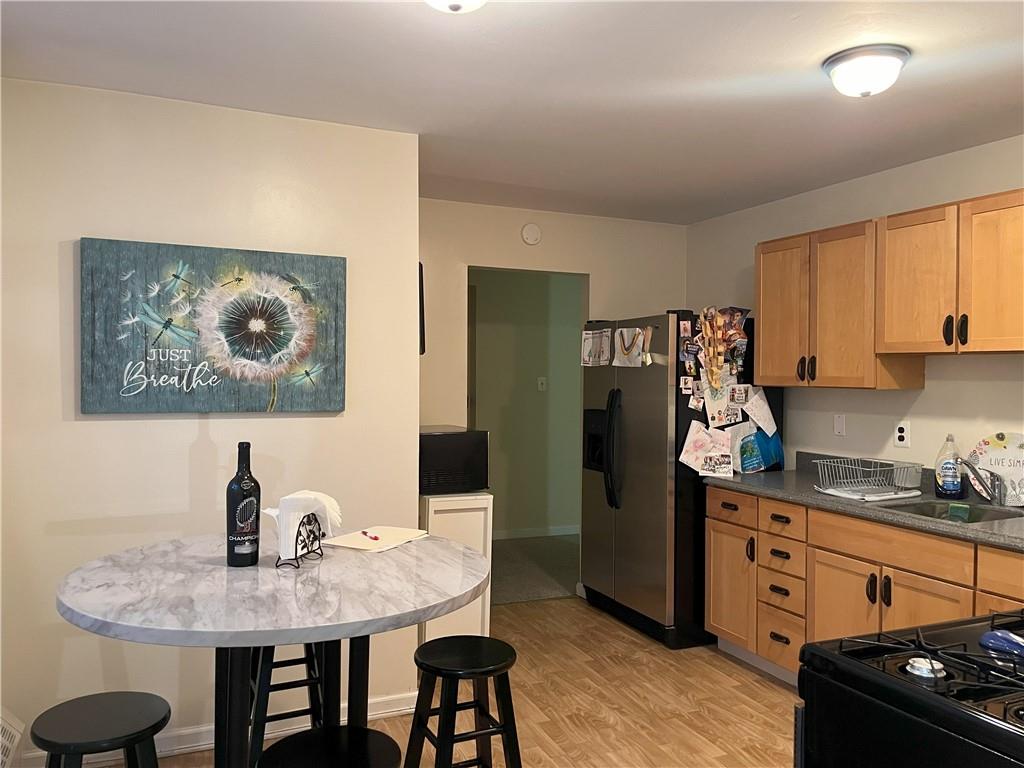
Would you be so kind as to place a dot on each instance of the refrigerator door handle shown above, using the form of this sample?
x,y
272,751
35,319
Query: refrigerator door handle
x,y
612,487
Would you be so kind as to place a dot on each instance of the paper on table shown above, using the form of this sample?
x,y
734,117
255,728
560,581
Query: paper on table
x,y
377,539
757,408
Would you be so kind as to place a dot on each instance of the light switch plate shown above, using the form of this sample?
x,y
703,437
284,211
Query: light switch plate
x,y
901,434
839,425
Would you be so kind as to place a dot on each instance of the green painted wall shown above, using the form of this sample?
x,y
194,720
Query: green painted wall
x,y
528,326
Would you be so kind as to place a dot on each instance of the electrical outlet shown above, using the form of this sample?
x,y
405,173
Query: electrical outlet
x,y
901,434
542,384
839,425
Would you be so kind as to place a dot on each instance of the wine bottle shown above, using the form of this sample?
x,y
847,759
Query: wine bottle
x,y
243,507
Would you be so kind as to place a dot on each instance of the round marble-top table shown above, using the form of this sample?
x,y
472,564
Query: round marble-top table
x,y
181,592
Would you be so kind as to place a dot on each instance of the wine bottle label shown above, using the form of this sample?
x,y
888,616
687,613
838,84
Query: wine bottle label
x,y
245,515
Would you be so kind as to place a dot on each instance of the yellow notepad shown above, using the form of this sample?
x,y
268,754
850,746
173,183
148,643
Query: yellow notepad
x,y
376,539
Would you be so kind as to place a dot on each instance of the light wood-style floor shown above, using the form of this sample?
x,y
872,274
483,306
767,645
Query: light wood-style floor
x,y
591,693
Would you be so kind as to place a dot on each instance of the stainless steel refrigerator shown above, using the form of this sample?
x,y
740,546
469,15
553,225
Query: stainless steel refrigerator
x,y
642,533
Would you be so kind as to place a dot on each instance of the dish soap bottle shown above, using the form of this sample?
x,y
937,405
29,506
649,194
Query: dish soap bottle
x,y
948,482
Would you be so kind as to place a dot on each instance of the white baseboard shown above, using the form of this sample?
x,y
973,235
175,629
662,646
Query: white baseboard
x,y
532,533
198,738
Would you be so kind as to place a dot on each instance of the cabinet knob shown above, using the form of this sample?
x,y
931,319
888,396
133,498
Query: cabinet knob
x,y
779,638
780,553
887,590
961,329
775,517
730,506
801,369
871,588
750,549
812,368
778,590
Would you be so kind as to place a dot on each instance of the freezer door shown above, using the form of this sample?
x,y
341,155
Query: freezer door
x,y
645,521
597,545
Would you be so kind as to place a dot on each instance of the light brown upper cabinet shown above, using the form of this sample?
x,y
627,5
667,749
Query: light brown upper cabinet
x,y
991,274
816,314
915,294
782,268
841,326
951,278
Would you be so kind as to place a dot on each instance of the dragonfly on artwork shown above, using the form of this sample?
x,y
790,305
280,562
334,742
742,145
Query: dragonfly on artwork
x,y
167,325
305,290
177,277
235,281
306,375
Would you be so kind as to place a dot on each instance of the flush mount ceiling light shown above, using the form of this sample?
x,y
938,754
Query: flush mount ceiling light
x,y
866,69
460,7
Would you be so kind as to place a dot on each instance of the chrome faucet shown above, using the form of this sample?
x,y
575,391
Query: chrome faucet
x,y
992,486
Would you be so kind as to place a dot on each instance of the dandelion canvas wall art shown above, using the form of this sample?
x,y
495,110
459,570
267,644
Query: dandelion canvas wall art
x,y
188,329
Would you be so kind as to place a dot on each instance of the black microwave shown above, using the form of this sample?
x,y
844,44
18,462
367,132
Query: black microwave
x,y
452,460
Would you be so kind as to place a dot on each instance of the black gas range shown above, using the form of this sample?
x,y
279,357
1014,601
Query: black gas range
x,y
930,696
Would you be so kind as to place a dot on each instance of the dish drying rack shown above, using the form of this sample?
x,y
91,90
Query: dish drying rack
x,y
868,479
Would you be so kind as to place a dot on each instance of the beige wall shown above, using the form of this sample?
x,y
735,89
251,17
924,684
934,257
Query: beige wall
x,y
528,326
969,395
635,268
83,162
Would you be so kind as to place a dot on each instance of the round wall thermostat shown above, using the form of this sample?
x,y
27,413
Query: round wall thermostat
x,y
531,234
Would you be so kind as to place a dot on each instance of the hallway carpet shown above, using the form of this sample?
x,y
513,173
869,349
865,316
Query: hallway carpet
x,y
534,569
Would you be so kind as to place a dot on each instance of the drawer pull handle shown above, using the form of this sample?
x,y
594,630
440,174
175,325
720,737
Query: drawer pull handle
x,y
780,553
778,590
750,549
779,638
784,519
730,506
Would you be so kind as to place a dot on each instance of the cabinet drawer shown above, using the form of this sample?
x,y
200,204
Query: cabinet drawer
x,y
779,636
782,554
946,559
782,519
732,507
781,590
1001,571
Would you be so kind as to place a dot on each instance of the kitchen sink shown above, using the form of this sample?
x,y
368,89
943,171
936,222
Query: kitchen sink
x,y
976,513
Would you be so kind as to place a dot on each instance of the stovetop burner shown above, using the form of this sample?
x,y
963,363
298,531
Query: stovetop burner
x,y
924,667
948,660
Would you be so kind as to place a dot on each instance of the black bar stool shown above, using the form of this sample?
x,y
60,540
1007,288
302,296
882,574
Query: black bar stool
x,y
340,745
464,657
263,666
102,722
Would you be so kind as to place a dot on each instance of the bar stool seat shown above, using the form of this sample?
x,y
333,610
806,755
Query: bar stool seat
x,y
102,722
343,746
450,660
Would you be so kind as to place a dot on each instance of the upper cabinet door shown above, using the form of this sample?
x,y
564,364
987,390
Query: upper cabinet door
x,y
991,293
915,297
782,283
842,307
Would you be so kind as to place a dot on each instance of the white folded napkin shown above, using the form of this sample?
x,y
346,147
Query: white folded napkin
x,y
295,506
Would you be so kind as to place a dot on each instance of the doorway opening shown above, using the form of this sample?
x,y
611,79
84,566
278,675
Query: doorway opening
x,y
525,387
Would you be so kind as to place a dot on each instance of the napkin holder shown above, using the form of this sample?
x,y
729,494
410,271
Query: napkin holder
x,y
308,535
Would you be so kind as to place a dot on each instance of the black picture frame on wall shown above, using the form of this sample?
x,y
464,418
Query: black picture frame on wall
x,y
423,329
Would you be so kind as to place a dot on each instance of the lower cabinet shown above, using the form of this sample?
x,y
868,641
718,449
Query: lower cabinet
x,y
730,604
842,596
909,600
984,604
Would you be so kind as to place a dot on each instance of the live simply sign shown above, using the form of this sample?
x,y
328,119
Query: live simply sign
x,y
182,328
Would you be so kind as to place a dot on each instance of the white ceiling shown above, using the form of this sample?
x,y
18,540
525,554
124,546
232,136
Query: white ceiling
x,y
662,111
